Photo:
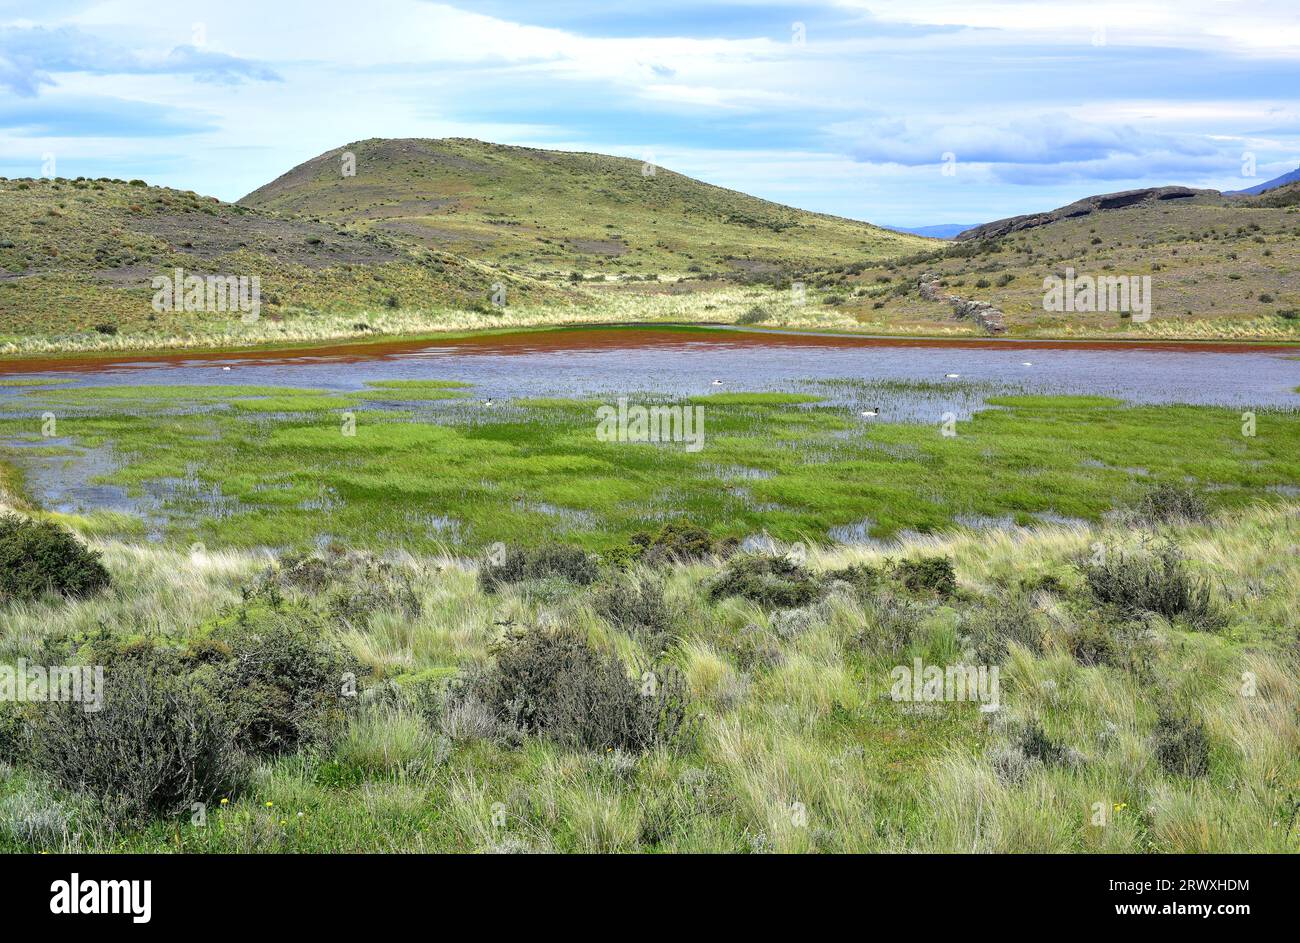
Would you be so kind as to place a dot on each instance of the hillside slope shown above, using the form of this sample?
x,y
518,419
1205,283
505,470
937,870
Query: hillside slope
x,y
76,255
555,211
1219,267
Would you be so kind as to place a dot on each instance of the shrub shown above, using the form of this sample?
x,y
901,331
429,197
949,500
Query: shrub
x,y
992,629
283,682
106,329
773,582
928,575
679,543
755,315
549,560
863,578
890,625
1034,743
1091,644
356,583
1170,504
1181,746
1158,582
1029,748
553,683
638,606
40,557
158,743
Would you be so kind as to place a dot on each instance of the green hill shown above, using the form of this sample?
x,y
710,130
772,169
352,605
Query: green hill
x,y
555,211
78,256
1219,267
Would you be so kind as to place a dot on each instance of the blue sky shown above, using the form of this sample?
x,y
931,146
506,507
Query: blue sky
x,y
901,112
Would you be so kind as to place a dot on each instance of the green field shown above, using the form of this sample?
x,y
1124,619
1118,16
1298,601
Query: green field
x,y
285,464
1146,652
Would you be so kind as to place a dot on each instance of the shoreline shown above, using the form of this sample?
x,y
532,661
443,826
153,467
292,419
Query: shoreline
x,y
363,348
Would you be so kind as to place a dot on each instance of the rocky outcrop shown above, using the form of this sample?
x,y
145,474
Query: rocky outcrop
x,y
1085,207
982,313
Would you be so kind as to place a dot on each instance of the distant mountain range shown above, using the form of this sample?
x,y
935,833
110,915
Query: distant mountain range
x,y
1273,184
941,231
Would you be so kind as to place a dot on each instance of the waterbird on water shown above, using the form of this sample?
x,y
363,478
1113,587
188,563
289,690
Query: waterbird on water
x,y
873,411
952,376
717,383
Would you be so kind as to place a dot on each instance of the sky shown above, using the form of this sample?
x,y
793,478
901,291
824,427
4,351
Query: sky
x,y
900,112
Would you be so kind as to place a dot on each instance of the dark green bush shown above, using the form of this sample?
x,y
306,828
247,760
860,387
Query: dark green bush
x,y
927,575
864,579
679,543
1171,504
1034,743
773,582
286,682
39,558
1181,746
547,561
355,583
638,606
755,315
1092,644
553,683
1158,581
159,742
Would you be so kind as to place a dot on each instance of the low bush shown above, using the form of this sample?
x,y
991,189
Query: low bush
x,y
637,604
1158,581
286,683
755,315
861,577
679,543
992,629
517,564
1091,643
354,583
1181,746
36,819
554,683
772,582
1170,504
38,558
927,575
159,742
890,625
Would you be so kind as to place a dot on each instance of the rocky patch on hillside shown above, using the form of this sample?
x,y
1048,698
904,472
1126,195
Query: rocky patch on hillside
x,y
982,313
